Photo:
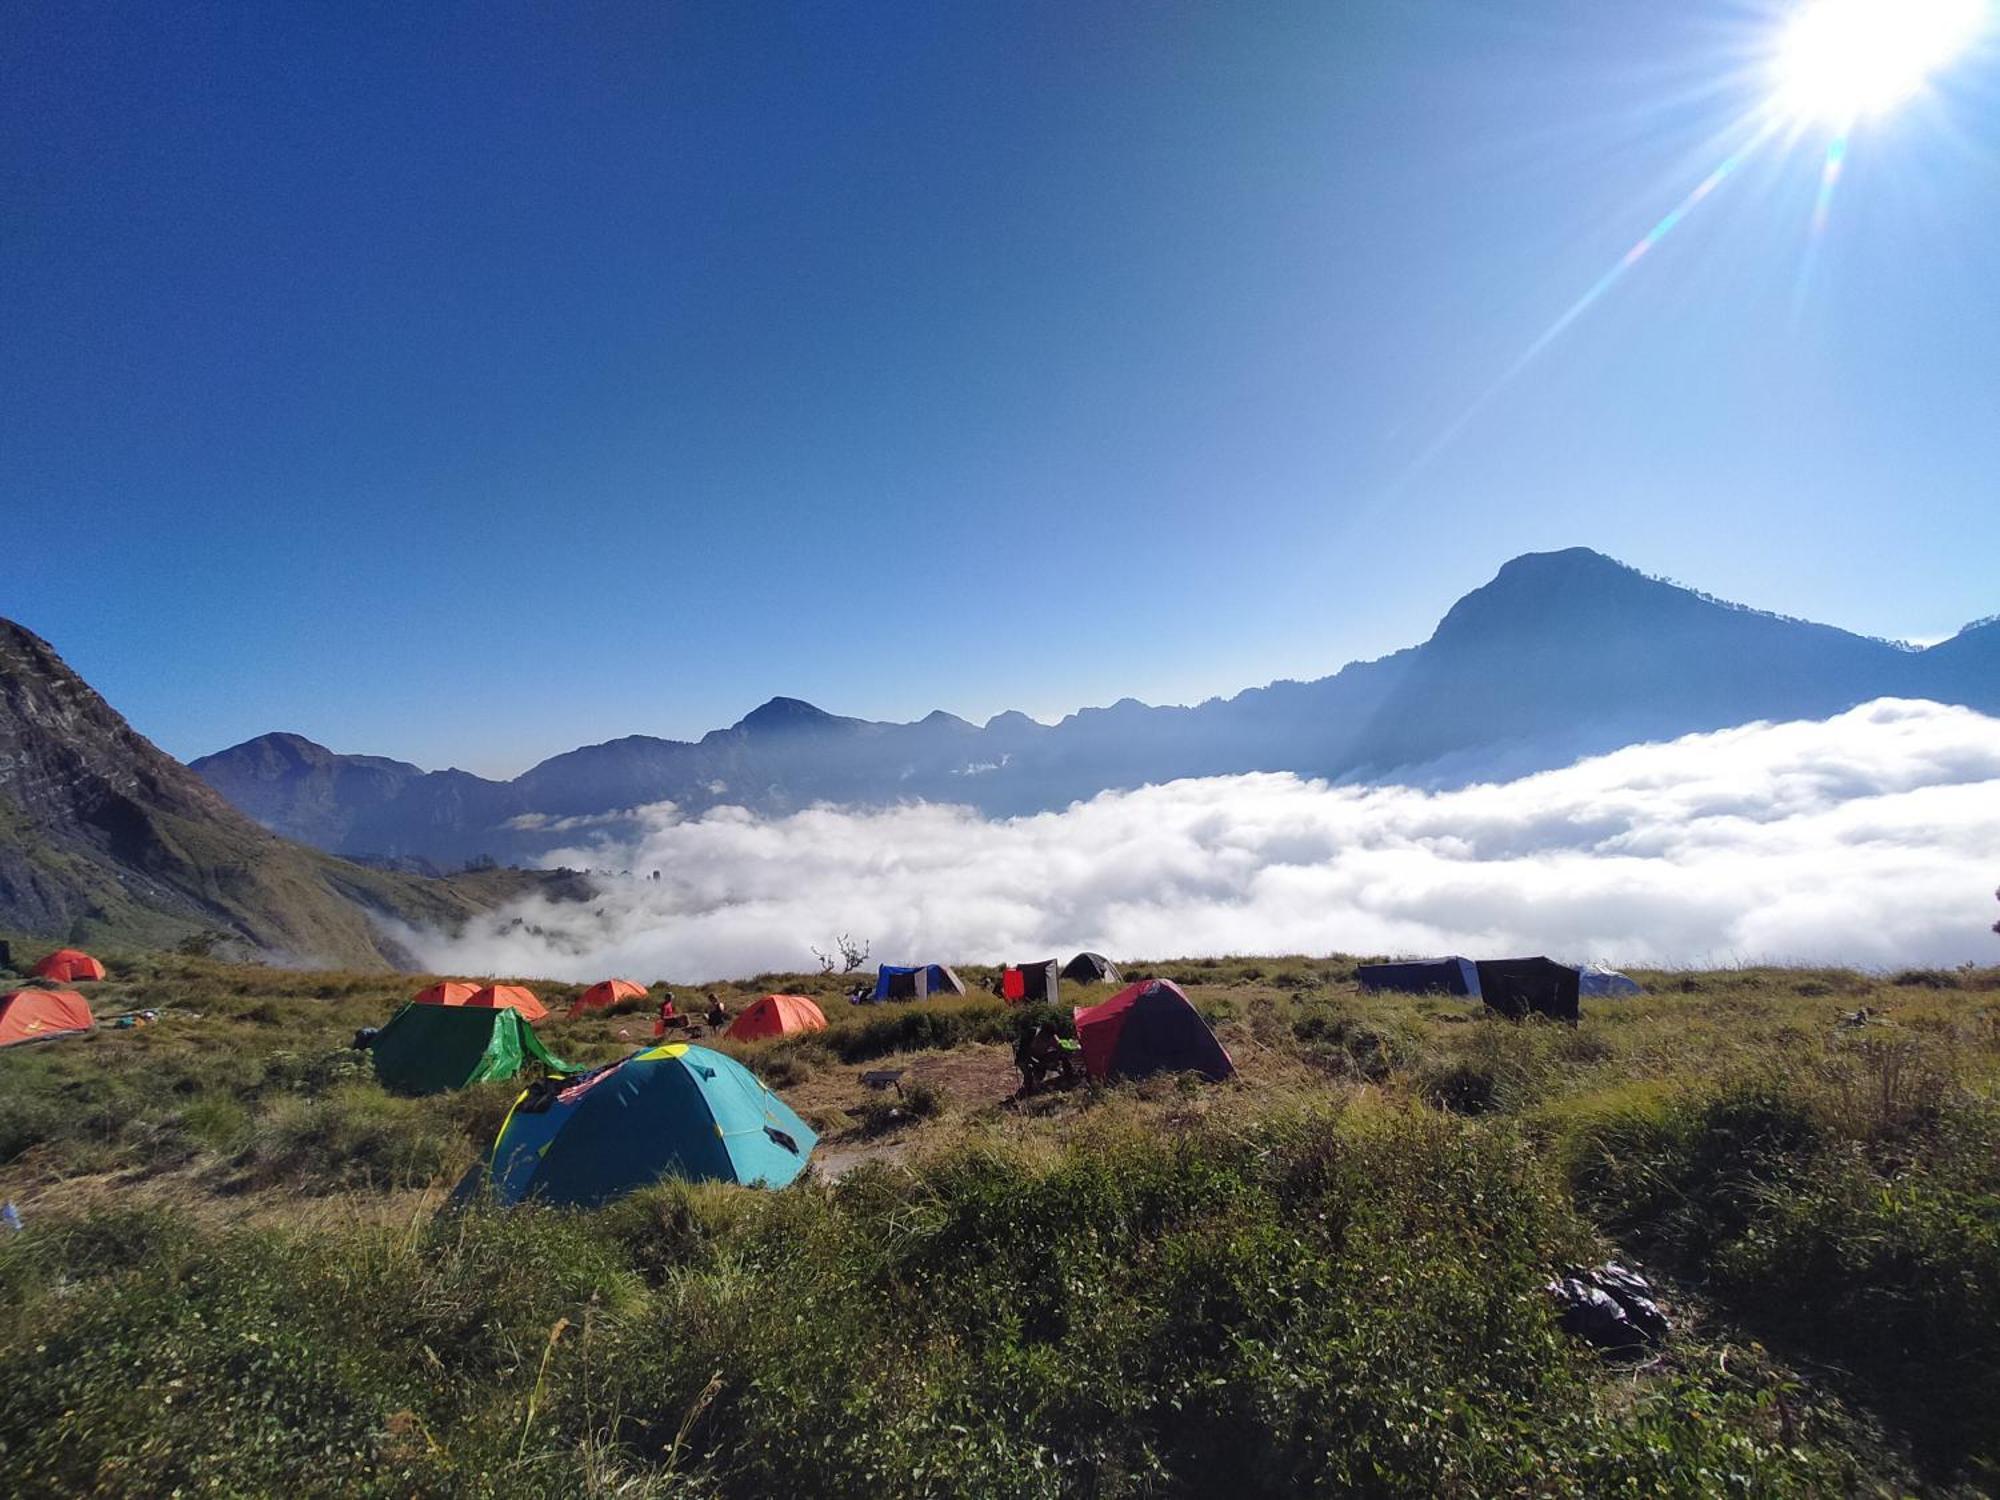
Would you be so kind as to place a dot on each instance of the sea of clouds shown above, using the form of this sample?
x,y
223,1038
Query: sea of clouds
x,y
1872,838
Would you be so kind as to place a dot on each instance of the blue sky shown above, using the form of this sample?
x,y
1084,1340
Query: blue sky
x,y
464,384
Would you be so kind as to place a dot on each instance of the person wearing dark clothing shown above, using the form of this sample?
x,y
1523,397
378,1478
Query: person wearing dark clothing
x,y
718,1017
1039,1053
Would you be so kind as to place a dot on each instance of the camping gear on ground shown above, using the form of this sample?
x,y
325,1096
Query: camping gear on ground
x,y
1595,979
10,1216
1149,1027
508,997
1091,968
915,981
606,992
69,966
1450,975
426,1049
1031,984
37,1015
1516,986
669,1111
1610,1307
776,1015
446,992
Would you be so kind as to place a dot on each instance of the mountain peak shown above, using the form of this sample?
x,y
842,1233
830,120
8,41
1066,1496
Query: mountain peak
x,y
1013,719
1559,591
785,716
282,746
1566,564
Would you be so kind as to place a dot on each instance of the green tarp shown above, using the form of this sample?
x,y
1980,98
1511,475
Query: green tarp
x,y
429,1048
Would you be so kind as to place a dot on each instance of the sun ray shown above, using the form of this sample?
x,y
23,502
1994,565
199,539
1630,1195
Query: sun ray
x,y
1596,292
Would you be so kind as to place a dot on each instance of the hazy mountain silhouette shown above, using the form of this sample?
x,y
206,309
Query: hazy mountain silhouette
x,y
1563,654
104,836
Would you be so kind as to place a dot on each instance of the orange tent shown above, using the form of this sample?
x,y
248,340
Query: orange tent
x,y
510,997
776,1015
447,992
68,965
607,992
30,1015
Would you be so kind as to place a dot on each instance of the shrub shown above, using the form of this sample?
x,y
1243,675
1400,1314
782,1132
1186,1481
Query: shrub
x,y
355,1137
1890,1269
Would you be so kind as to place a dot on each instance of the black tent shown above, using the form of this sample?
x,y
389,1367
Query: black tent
x,y
1091,968
1516,986
1419,976
1040,980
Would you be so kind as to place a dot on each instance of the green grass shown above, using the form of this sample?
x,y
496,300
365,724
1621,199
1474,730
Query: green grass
x,y
1321,1277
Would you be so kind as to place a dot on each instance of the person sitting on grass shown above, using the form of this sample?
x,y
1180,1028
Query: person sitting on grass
x,y
1038,1053
667,1014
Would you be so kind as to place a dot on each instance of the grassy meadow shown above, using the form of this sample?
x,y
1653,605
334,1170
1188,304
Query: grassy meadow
x,y
1323,1276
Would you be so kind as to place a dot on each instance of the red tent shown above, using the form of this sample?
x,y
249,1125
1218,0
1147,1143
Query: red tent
x,y
607,992
68,965
447,992
30,1015
1145,1028
509,997
776,1015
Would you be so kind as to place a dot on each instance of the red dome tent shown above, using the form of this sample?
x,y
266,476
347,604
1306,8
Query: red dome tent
x,y
31,1015
604,993
509,997
68,965
1145,1028
776,1015
447,992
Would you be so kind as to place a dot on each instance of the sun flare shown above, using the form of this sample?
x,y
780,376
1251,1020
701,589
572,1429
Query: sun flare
x,y
1840,60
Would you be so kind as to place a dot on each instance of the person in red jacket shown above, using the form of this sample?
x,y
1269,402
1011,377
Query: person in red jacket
x,y
667,1014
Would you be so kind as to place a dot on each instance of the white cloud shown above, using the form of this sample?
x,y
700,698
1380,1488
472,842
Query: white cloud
x,y
1871,838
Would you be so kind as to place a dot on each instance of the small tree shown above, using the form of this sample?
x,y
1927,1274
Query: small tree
x,y
849,955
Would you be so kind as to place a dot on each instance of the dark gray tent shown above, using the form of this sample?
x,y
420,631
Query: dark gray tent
x,y
1040,980
1422,976
1516,986
1091,968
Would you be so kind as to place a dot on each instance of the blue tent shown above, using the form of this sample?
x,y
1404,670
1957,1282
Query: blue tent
x,y
915,981
1416,976
1595,979
670,1111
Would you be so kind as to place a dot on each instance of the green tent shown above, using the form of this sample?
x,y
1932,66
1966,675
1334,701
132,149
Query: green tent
x,y
428,1048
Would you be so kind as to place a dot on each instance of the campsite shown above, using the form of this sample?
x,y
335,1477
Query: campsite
x,y
240,1259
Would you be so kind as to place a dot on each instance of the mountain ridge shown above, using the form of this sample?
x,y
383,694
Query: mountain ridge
x,y
105,836
1560,654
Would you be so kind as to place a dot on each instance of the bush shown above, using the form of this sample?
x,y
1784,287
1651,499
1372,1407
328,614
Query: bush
x,y
355,1137
1888,1268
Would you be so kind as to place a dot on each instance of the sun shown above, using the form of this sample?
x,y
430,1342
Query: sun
x,y
1840,60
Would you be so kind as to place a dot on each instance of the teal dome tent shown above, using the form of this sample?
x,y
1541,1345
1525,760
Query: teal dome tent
x,y
670,1111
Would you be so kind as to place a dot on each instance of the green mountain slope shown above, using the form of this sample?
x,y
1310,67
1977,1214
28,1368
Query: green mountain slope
x,y
104,837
